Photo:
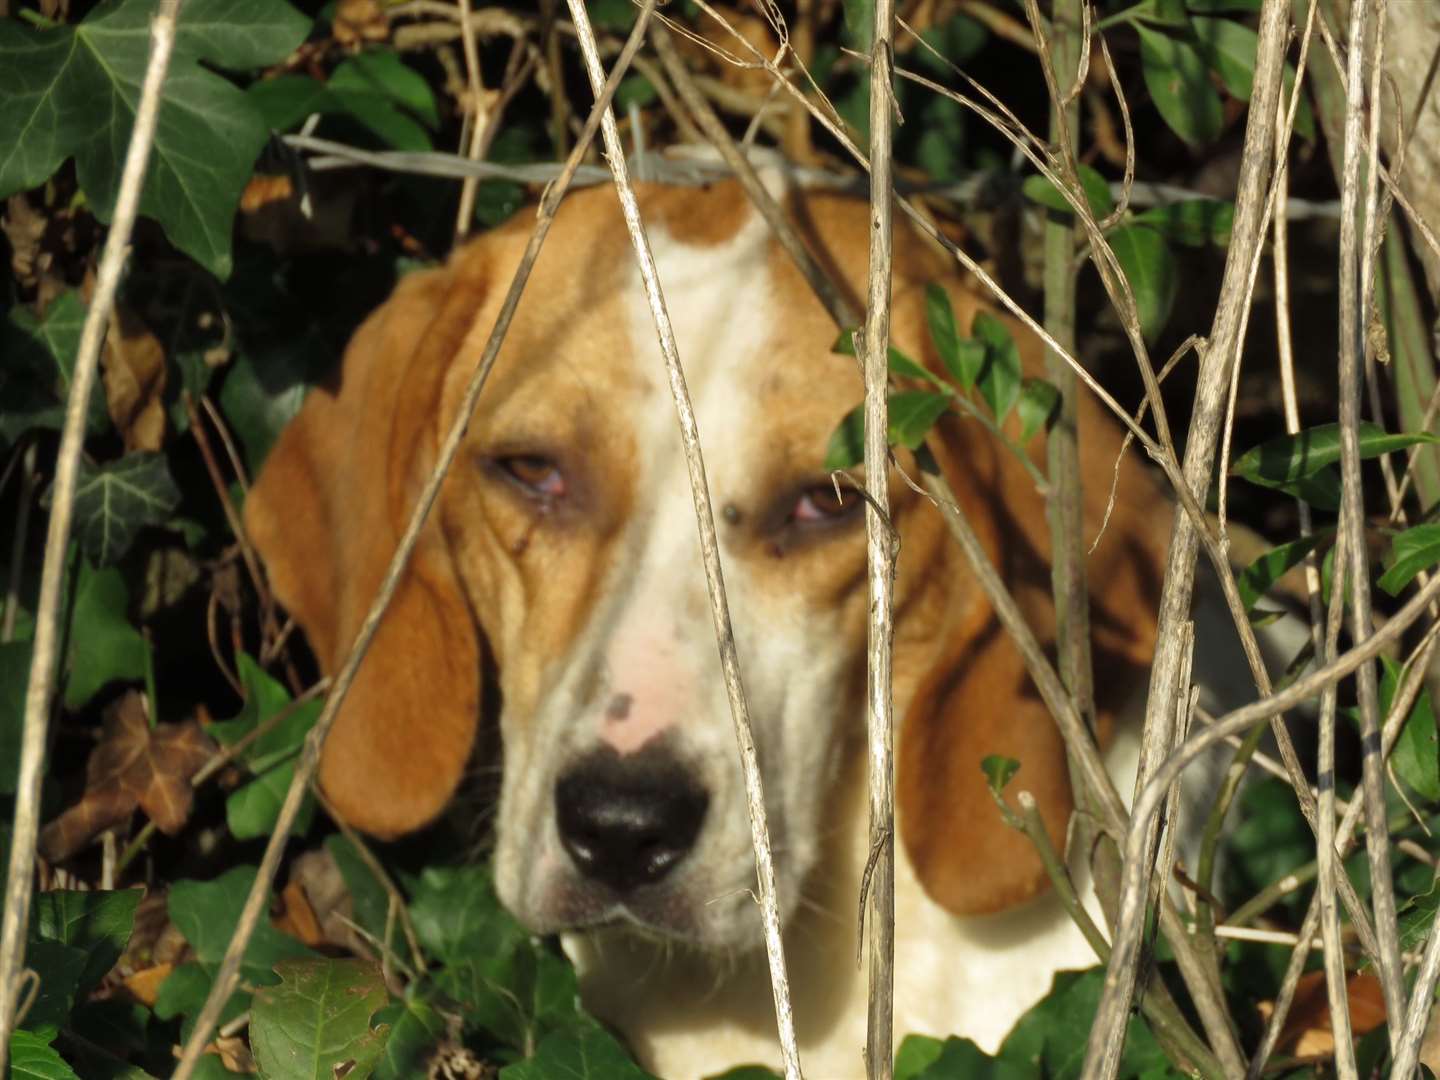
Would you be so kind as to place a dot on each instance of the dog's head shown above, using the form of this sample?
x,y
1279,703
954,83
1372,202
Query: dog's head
x,y
565,543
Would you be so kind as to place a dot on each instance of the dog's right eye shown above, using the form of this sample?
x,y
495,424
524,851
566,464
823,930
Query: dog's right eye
x,y
536,474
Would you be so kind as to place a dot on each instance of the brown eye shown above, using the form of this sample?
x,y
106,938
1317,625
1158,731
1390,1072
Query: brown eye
x,y
536,474
823,503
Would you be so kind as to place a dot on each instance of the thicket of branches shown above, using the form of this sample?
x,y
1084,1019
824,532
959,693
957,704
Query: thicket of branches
x,y
159,719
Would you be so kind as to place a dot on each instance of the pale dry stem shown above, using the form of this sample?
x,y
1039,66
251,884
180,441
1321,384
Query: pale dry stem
x,y
710,552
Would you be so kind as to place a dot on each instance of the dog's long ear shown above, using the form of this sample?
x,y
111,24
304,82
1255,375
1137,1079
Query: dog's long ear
x,y
977,699
326,515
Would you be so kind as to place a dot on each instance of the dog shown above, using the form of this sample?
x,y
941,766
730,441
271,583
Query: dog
x,y
563,554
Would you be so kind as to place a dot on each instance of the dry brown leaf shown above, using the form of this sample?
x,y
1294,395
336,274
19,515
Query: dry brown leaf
x,y
1307,1032
234,1052
133,369
24,227
144,986
359,21
133,765
297,918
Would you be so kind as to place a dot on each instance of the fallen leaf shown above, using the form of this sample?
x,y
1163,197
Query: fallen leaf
x,y
144,986
359,21
234,1053
297,918
24,227
1307,1032
133,370
133,765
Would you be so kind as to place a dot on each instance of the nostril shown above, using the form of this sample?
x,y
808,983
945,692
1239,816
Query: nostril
x,y
628,822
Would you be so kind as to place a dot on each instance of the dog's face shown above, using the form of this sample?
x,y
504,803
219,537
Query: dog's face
x,y
566,543
622,795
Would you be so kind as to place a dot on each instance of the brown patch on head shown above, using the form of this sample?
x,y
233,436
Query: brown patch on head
x,y
726,210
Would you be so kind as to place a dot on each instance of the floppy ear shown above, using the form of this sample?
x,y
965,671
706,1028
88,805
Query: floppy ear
x,y
326,515
977,698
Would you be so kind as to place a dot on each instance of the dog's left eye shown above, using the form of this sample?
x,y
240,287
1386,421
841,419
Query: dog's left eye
x,y
536,473
823,503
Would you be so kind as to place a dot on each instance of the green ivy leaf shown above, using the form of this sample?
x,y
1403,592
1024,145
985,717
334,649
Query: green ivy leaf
x,y
510,985
1416,756
1150,268
941,318
1417,918
999,771
1257,578
1179,83
317,1020
588,1053
1288,458
206,912
252,809
379,91
1192,222
1038,401
1159,12
1097,193
1411,551
104,646
898,362
1230,48
73,91
912,414
31,1055
1049,1034
59,967
115,501
1000,378
415,1027
98,923
39,365
961,1059
916,1054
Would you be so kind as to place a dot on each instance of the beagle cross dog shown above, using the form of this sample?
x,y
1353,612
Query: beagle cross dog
x,y
563,555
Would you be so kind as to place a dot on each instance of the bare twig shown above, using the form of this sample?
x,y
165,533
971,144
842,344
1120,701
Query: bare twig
x,y
874,347
709,548
475,118
57,541
228,974
1354,303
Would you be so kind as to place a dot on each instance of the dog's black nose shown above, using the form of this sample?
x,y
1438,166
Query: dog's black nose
x,y
627,822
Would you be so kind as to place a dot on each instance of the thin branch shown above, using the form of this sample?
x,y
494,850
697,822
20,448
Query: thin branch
x,y
57,540
709,549
475,118
880,546
228,975
1354,304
